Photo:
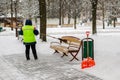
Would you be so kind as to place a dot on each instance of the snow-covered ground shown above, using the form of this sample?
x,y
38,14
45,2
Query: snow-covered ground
x,y
106,48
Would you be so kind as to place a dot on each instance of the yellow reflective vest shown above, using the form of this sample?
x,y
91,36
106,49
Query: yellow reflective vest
x,y
28,34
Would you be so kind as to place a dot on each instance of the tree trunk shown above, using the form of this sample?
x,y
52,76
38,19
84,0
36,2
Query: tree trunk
x,y
62,18
36,22
42,10
30,16
94,9
69,17
103,13
75,18
60,11
114,22
16,27
75,22
11,15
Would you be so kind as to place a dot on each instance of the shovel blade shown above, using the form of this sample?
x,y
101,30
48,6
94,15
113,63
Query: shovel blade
x,y
88,62
91,62
84,64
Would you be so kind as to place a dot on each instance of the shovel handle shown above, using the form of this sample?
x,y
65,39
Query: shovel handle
x,y
87,33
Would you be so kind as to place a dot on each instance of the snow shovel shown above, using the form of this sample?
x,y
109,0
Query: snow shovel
x,y
87,62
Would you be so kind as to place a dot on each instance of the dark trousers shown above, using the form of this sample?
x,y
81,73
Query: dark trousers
x,y
27,51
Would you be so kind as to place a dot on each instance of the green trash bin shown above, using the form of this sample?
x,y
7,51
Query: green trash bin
x,y
87,48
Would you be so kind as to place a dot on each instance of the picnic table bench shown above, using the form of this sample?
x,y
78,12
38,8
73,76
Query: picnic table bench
x,y
67,45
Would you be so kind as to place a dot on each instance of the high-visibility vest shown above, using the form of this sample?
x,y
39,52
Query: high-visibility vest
x,y
28,34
